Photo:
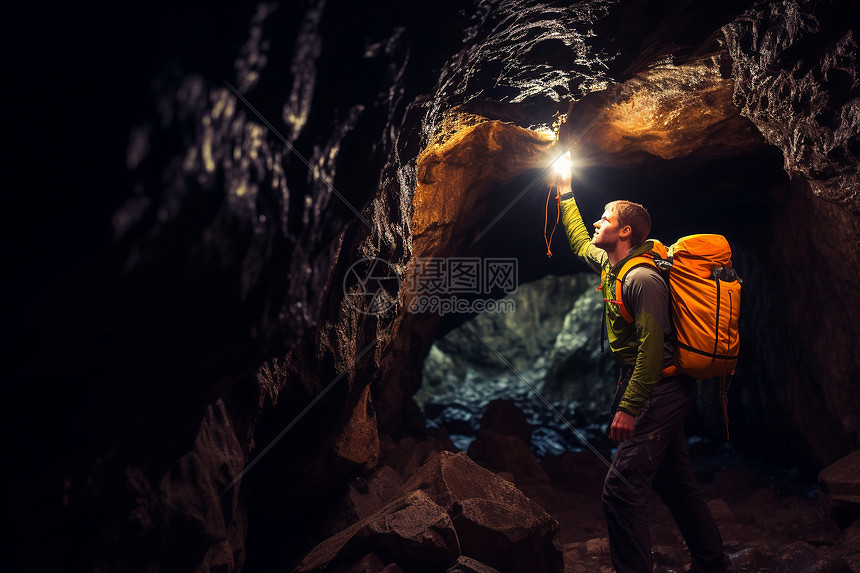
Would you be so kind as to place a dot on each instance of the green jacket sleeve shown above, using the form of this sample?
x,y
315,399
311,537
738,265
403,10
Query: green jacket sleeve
x,y
646,293
578,237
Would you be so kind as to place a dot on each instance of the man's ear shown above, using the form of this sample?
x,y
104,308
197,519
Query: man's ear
x,y
625,232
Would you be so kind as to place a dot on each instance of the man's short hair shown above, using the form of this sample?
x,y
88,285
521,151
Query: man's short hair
x,y
634,215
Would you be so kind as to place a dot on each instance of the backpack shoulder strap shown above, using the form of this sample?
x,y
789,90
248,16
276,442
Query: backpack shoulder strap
x,y
646,259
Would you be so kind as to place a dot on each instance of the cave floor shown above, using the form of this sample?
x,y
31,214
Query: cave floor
x,y
761,531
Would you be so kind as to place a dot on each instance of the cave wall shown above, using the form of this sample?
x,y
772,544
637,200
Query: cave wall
x,y
796,78
179,268
801,295
795,70
196,219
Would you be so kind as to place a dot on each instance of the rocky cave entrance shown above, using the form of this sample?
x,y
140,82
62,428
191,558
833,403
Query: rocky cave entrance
x,y
548,348
542,346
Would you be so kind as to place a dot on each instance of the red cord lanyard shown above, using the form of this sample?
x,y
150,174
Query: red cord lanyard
x,y
546,220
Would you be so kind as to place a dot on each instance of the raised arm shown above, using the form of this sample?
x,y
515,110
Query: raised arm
x,y
574,226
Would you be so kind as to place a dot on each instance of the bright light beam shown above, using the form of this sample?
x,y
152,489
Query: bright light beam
x,y
561,165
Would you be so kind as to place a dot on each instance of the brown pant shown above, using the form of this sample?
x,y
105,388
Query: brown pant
x,y
655,456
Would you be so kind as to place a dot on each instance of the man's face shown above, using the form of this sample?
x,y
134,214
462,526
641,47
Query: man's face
x,y
606,231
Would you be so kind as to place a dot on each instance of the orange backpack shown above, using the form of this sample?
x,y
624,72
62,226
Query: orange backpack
x,y
705,302
705,297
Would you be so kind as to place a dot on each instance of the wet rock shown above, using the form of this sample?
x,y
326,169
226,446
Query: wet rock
x,y
547,442
468,565
840,483
801,557
458,418
520,337
413,530
748,559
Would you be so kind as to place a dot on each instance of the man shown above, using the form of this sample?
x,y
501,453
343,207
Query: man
x,y
649,410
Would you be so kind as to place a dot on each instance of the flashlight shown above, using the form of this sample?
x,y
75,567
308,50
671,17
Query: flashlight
x,y
562,167
562,164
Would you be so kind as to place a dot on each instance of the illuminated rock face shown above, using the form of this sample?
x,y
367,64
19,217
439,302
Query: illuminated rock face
x,y
456,177
668,112
202,308
796,75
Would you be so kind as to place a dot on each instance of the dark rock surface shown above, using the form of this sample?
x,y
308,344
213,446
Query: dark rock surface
x,y
796,77
803,558
448,509
412,531
840,484
504,418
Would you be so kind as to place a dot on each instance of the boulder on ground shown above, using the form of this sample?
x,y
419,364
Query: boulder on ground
x,y
412,531
409,454
450,508
747,559
489,511
849,545
720,510
508,454
840,483
367,495
505,418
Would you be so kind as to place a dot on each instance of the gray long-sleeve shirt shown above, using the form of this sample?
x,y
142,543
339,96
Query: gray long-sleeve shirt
x,y
643,344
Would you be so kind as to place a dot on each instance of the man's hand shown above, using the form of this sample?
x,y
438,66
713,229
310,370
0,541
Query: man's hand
x,y
622,426
562,181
